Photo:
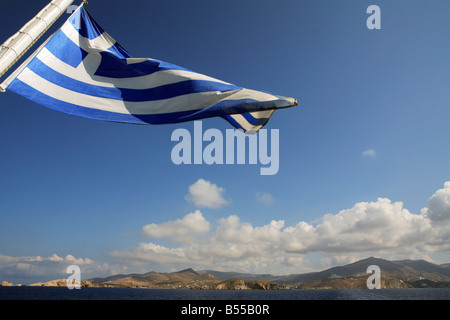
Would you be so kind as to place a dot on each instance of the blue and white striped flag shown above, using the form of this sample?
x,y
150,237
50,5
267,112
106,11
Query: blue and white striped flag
x,y
82,70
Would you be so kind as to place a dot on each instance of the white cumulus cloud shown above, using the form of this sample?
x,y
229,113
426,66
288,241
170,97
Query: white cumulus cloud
x,y
182,229
206,194
439,205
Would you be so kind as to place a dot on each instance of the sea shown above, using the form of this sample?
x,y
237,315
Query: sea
x,y
225,304
63,293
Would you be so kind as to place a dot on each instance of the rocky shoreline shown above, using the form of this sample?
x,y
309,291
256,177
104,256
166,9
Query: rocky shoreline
x,y
230,284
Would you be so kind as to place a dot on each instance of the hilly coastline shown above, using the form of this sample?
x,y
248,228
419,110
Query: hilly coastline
x,y
394,274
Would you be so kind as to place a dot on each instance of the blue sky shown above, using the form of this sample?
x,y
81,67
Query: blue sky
x,y
76,190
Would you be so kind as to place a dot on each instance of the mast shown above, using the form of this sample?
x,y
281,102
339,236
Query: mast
x,y
14,48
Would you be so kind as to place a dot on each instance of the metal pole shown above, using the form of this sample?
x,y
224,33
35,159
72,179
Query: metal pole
x,y
13,48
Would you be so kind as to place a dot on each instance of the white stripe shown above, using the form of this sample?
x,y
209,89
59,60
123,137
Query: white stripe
x,y
244,123
253,94
85,73
102,43
186,102
262,114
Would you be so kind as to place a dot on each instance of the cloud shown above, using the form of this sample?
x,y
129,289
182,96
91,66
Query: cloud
x,y
439,205
264,198
367,227
155,254
382,228
369,153
206,194
182,229
32,269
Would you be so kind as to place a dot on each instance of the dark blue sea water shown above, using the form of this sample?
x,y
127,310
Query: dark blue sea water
x,y
223,304
52,293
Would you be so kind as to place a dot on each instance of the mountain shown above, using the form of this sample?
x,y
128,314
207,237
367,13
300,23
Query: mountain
x,y
187,278
394,274
184,279
445,265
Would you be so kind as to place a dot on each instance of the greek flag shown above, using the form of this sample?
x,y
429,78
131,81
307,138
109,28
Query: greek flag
x,y
81,70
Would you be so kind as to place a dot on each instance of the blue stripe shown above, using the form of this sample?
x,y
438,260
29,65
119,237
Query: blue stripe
x,y
65,50
219,109
233,122
73,109
132,95
227,107
240,106
250,119
255,121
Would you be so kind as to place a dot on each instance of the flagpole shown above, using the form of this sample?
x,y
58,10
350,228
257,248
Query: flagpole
x,y
16,46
